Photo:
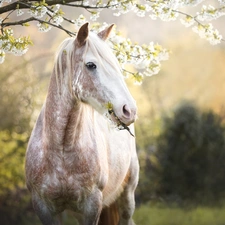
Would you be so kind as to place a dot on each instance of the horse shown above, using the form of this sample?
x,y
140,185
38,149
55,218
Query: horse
x,y
76,159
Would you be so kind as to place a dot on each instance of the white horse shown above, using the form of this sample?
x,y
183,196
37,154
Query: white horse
x,y
75,160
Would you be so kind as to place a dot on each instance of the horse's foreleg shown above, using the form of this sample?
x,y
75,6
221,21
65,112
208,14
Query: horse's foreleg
x,y
126,206
92,208
43,211
126,202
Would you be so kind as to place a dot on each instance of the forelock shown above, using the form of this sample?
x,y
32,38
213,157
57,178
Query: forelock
x,y
102,51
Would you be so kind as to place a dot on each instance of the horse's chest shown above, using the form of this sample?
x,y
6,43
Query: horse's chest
x,y
64,184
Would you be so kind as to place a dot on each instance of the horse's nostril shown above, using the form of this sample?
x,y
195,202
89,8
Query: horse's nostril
x,y
126,111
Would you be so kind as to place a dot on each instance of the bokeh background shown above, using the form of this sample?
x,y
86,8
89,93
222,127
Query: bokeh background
x,y
180,131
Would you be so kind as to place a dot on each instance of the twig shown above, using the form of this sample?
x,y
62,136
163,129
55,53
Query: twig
x,y
120,125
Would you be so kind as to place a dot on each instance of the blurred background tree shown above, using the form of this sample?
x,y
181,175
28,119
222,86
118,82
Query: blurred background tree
x,y
16,91
191,154
17,103
185,164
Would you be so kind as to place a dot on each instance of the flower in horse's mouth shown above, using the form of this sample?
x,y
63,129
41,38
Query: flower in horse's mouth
x,y
119,124
111,115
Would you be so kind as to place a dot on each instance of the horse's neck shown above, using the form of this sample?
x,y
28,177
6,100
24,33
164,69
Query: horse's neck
x,y
63,117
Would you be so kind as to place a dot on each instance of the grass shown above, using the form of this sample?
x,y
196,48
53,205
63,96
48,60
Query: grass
x,y
162,215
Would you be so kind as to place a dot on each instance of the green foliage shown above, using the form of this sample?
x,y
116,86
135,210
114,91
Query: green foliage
x,y
17,45
11,160
14,199
191,154
164,215
146,132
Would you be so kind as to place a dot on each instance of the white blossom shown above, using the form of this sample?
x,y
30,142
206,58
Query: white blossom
x,y
85,3
121,57
56,15
7,46
116,39
138,78
188,21
43,27
142,64
94,16
140,13
18,51
57,20
207,32
19,12
153,68
57,7
128,6
209,13
80,21
37,11
10,44
190,2
2,56
114,4
163,55
6,1
165,10
122,7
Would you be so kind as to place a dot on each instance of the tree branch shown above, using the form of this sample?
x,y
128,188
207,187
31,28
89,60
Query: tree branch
x,y
23,4
89,7
21,22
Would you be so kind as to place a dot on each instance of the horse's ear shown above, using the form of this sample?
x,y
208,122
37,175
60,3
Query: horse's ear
x,y
82,35
105,33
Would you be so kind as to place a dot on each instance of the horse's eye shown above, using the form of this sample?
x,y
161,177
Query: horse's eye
x,y
91,66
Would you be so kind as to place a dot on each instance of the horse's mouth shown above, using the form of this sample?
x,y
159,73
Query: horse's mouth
x,y
119,124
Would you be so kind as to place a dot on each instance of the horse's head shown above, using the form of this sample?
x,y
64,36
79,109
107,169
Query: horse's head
x,y
97,78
